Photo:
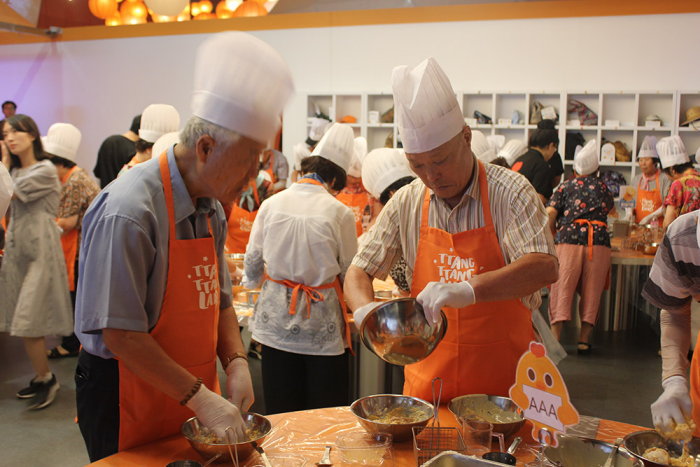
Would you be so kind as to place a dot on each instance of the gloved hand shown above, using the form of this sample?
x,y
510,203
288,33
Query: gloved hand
x,y
437,295
216,413
647,219
239,385
674,404
361,313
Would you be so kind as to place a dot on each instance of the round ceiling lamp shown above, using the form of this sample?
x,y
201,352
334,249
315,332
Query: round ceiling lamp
x,y
114,20
250,8
222,10
103,9
206,7
167,7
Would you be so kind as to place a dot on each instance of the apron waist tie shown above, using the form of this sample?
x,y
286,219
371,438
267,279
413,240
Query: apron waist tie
x,y
590,233
312,294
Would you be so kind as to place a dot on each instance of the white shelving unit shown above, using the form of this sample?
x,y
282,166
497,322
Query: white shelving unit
x,y
629,108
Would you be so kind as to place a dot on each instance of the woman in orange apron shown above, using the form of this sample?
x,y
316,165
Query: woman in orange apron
x,y
354,194
279,173
242,216
305,240
652,185
480,337
579,209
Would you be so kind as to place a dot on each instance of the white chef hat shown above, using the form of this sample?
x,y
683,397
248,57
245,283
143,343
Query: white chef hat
x,y
164,142
157,120
382,167
317,130
62,140
672,151
586,160
496,142
242,84
6,189
358,157
337,145
481,148
512,150
648,148
427,111
301,151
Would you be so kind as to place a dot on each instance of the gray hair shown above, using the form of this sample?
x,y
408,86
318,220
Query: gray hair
x,y
197,127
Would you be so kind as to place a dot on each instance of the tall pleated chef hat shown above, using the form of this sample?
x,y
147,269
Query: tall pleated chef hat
x,y
337,145
164,142
648,148
242,84
672,151
358,157
157,120
317,130
427,111
382,167
496,142
586,160
62,140
301,151
481,148
512,150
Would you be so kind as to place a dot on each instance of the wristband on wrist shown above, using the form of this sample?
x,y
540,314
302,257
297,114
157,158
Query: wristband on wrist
x,y
234,356
192,392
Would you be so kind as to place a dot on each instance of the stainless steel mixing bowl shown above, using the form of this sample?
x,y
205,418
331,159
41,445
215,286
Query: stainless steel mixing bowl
x,y
398,332
465,405
379,404
191,428
584,452
638,442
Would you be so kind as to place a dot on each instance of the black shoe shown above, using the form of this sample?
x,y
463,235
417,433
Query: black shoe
x,y
584,348
29,392
254,353
45,394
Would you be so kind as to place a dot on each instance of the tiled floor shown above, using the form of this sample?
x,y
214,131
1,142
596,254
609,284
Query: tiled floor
x,y
618,381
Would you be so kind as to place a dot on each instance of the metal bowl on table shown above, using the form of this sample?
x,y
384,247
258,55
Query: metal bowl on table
x,y
637,443
480,404
256,423
398,332
584,452
380,405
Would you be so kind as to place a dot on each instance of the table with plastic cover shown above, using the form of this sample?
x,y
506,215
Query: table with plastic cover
x,y
307,433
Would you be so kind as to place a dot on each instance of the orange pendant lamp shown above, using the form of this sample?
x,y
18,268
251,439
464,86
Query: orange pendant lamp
x,y
222,10
206,6
250,8
114,20
202,16
103,9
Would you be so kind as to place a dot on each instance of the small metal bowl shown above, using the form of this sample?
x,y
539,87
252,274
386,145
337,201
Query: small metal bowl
x,y
192,428
382,295
637,443
462,406
587,452
398,332
373,405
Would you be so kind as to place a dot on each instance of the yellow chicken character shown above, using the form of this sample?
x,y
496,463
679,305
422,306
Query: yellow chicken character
x,y
540,391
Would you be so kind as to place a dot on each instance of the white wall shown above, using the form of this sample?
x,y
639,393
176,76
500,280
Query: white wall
x,y
100,85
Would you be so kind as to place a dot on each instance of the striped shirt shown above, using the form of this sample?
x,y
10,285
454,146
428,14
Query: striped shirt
x,y
518,215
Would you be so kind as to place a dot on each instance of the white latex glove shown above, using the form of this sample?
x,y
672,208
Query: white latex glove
x,y
239,385
650,217
437,295
361,313
216,413
674,404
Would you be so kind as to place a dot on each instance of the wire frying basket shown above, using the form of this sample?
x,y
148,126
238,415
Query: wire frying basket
x,y
429,441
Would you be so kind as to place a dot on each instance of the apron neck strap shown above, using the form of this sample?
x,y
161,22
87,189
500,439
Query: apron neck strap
x,y
72,169
168,190
483,193
310,181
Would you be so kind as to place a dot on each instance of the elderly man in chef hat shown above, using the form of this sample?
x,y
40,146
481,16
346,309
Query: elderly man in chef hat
x,y
474,237
154,296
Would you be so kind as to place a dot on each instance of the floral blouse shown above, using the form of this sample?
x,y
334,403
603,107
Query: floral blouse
x,y
684,194
582,198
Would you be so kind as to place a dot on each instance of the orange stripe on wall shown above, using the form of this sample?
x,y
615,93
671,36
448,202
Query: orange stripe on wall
x,y
479,12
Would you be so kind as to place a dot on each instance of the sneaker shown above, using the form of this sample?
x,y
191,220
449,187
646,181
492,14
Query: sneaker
x,y
45,394
29,392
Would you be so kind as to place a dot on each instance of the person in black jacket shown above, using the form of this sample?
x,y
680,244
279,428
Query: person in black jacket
x,y
116,151
534,164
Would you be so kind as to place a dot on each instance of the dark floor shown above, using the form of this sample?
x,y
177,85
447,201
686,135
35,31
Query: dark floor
x,y
618,381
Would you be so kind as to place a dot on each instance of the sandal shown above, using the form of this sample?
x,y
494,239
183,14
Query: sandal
x,y
584,348
55,353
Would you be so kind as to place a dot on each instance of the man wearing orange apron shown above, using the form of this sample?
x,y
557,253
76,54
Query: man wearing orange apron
x,y
77,192
153,309
475,235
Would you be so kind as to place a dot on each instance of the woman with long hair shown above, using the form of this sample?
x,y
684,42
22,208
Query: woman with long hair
x,y
33,279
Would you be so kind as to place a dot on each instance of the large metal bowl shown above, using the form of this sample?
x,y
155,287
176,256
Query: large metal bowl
x,y
464,406
374,405
584,452
191,428
398,333
637,443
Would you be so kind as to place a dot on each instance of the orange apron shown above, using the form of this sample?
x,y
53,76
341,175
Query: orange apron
x,y
485,341
69,243
186,330
240,224
272,174
652,198
695,389
357,202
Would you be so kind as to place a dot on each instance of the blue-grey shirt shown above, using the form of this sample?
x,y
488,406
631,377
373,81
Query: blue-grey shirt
x,y
124,252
